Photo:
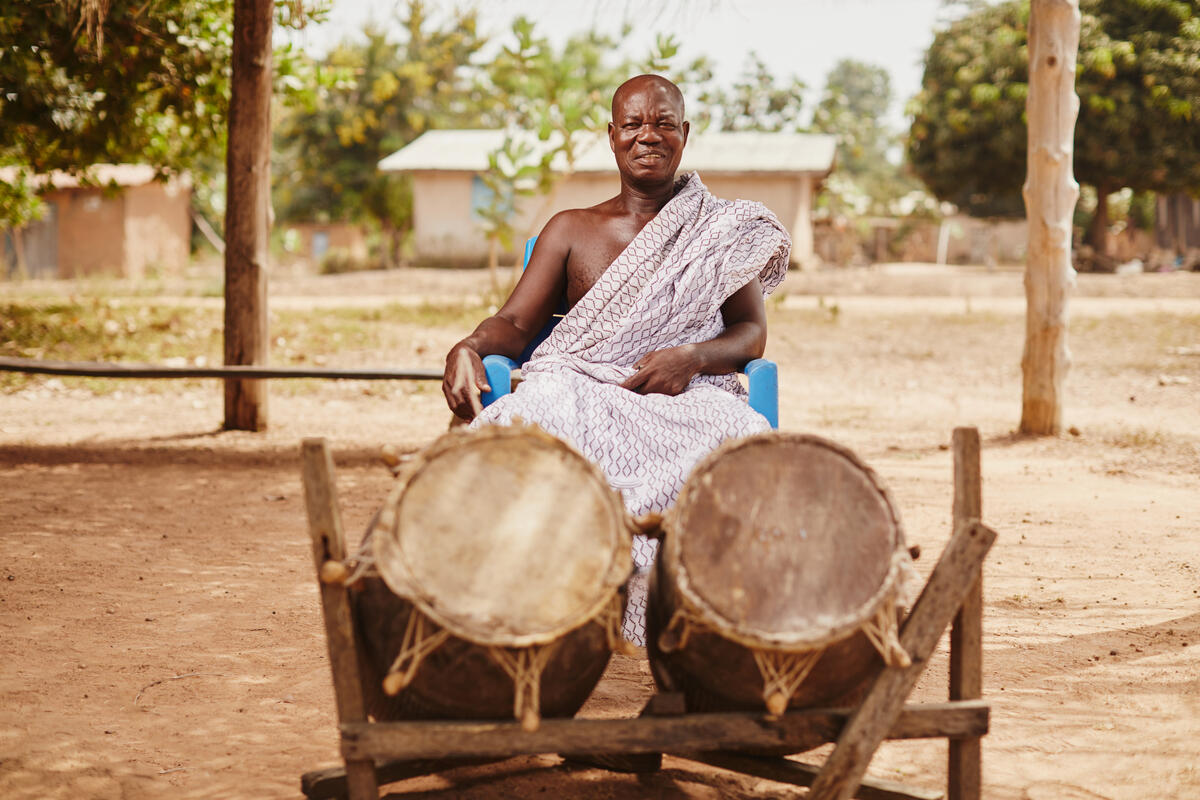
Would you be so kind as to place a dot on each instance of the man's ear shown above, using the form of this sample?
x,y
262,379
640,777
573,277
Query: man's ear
x,y
685,127
612,132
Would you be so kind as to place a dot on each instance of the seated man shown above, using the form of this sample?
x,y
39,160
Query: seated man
x,y
664,284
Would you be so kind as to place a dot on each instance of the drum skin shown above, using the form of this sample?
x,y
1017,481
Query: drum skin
x,y
500,538
786,544
459,680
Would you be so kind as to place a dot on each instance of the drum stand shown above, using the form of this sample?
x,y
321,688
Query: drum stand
x,y
384,752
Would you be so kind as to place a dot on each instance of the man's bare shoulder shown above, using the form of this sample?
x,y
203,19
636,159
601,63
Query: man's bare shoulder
x,y
576,220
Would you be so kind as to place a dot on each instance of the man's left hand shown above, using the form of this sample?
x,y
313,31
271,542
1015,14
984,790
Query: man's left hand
x,y
666,371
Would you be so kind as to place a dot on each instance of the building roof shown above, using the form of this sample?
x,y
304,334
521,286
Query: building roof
x,y
707,152
99,174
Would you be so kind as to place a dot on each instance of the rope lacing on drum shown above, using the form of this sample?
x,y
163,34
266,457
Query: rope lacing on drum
x,y
675,635
782,674
524,665
364,565
418,642
364,558
884,633
610,620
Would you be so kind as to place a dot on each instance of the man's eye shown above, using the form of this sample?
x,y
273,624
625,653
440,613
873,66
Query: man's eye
x,y
670,126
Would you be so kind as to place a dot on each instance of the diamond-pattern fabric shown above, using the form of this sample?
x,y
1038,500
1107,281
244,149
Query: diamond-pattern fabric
x,y
664,290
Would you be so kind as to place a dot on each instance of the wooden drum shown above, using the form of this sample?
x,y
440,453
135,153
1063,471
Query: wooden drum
x,y
778,579
501,557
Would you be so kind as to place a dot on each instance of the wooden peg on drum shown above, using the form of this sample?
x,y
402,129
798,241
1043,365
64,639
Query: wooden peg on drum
x,y
390,458
333,572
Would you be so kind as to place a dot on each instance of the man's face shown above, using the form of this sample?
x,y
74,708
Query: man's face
x,y
648,132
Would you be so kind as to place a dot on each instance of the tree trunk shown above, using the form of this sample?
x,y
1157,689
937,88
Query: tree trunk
x,y
1050,194
494,263
389,248
18,240
1098,235
247,211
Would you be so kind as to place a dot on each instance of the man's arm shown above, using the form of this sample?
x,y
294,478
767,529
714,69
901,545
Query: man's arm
x,y
669,371
512,328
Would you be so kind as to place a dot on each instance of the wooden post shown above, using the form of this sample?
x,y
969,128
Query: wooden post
x,y
1050,194
965,774
247,208
329,544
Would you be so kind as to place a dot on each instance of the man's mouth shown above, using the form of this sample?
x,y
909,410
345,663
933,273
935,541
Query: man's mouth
x,y
648,157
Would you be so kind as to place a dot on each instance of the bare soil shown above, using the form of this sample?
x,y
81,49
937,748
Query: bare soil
x,y
159,622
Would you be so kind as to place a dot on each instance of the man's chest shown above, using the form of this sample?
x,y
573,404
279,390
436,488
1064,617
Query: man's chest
x,y
593,254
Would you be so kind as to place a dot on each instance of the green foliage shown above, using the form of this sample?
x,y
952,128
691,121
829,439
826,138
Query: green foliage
x,y
149,86
18,204
1138,81
362,102
123,81
757,101
106,329
853,106
556,94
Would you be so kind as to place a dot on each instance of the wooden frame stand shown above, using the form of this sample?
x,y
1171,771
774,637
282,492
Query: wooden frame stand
x,y
384,752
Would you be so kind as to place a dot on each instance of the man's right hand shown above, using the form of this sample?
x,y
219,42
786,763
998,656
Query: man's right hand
x,y
463,381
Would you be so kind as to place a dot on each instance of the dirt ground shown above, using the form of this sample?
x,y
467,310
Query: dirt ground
x,y
159,620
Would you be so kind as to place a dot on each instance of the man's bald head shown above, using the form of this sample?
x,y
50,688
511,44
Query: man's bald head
x,y
642,83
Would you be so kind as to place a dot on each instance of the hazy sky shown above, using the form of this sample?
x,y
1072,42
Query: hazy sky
x,y
801,37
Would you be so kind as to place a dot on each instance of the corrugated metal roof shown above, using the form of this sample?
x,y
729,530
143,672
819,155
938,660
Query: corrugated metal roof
x,y
708,152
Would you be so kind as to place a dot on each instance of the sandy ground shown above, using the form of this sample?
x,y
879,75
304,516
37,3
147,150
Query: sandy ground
x,y
160,628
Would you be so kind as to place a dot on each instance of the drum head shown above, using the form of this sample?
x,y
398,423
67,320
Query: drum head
x,y
505,536
785,539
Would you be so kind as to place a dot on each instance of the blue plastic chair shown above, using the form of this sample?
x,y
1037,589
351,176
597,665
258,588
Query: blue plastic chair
x,y
763,375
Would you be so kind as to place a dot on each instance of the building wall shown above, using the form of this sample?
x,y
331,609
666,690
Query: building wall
x,y
318,239
158,227
91,232
444,232
447,233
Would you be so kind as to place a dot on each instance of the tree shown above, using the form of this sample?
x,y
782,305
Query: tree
x,y
546,98
135,84
367,100
758,101
247,214
86,83
1050,193
854,106
1138,81
144,83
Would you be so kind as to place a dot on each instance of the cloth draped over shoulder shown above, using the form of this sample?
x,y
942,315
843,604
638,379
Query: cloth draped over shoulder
x,y
664,290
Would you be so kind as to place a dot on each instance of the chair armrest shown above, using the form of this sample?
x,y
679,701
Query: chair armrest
x,y
764,389
499,376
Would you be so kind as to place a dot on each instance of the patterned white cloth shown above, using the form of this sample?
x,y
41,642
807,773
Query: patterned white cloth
x,y
664,290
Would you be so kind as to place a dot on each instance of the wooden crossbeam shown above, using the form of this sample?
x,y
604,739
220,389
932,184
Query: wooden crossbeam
x,y
798,773
100,369
329,783
690,732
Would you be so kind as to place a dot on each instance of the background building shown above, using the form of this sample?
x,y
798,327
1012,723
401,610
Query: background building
x,y
781,170
125,225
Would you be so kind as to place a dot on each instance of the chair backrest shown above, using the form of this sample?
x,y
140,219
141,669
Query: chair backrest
x,y
558,313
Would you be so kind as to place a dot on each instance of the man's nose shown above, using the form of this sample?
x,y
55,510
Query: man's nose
x,y
648,133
